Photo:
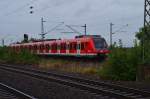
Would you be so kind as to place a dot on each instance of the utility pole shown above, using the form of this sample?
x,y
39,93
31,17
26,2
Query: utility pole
x,y
3,42
42,29
111,33
85,26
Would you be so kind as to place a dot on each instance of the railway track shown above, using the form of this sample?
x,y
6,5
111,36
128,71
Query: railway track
x,y
7,92
107,90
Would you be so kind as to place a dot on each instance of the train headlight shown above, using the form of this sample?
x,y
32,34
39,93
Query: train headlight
x,y
88,51
101,51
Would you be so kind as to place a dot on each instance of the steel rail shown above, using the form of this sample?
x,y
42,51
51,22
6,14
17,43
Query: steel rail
x,y
82,83
15,92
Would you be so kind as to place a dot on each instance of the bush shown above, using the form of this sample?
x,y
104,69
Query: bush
x,y
122,64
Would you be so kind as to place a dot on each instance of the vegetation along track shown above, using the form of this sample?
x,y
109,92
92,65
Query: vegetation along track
x,y
100,88
7,92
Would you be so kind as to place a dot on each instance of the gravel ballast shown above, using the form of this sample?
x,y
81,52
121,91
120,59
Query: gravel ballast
x,y
43,89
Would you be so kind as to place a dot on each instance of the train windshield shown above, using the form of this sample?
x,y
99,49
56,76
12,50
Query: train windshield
x,y
100,43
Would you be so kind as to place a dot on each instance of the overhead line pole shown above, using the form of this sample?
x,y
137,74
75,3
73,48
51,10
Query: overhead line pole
x,y
3,43
111,33
85,29
42,29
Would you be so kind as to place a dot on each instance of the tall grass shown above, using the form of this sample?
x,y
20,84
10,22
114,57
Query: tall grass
x,y
7,55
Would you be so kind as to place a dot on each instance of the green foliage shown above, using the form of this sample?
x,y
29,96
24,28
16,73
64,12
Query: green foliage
x,y
143,34
22,57
144,37
122,63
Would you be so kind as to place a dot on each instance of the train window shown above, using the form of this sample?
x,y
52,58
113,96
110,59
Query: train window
x,y
63,46
86,45
48,47
70,48
41,47
35,47
38,47
30,47
78,47
100,43
82,46
58,46
54,46
75,46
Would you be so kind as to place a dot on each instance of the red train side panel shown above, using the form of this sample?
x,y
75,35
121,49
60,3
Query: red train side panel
x,y
80,46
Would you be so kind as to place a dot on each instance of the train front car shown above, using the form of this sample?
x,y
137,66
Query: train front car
x,y
100,46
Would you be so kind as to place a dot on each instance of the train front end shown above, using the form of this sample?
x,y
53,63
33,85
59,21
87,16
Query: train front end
x,y
100,46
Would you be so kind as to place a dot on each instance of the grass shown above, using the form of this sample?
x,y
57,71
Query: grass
x,y
25,57
121,64
68,66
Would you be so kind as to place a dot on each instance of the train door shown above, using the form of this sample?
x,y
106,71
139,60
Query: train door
x,y
47,48
35,49
67,48
58,48
78,47
50,48
38,49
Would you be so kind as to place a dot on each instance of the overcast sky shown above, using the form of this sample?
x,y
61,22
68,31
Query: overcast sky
x,y
15,19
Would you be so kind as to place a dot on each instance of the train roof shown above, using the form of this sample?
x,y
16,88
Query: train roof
x,y
88,36
82,38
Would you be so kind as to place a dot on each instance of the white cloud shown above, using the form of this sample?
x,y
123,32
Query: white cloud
x,y
97,14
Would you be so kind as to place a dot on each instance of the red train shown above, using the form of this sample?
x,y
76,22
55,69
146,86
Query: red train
x,y
83,45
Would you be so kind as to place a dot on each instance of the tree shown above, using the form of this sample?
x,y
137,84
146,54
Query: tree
x,y
144,37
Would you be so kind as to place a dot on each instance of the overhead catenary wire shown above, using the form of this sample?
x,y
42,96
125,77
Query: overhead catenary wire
x,y
120,29
74,31
55,27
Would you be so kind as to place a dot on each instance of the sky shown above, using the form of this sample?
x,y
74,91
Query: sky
x,y
16,20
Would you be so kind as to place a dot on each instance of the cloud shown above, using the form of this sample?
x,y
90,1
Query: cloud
x,y
97,14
